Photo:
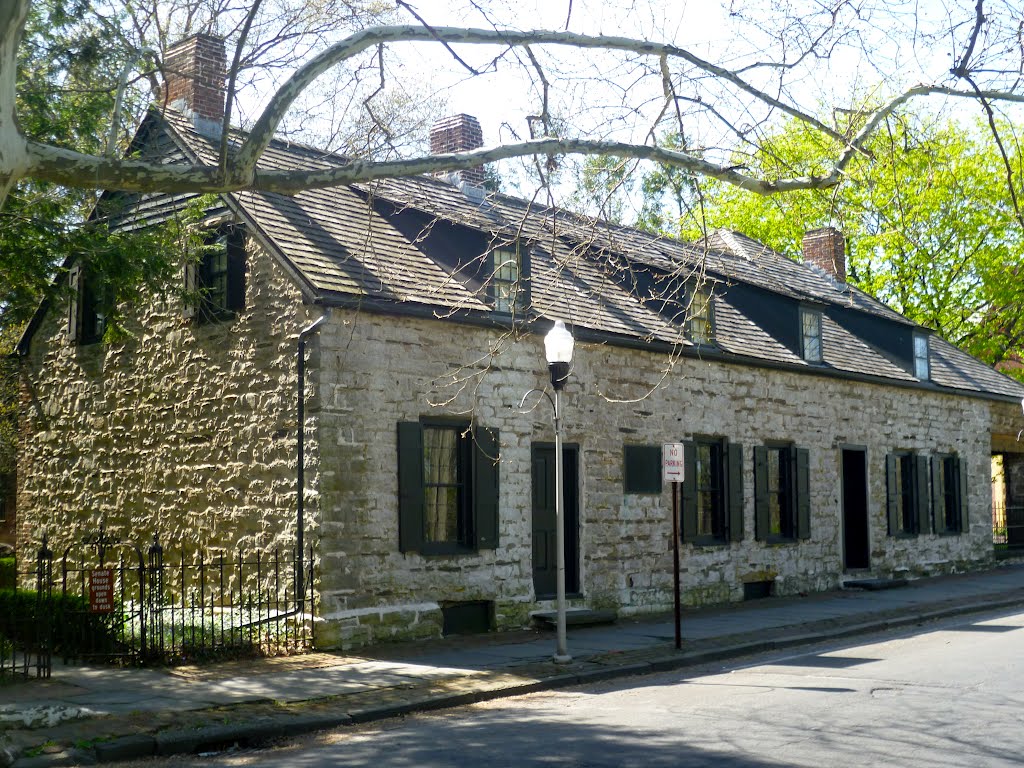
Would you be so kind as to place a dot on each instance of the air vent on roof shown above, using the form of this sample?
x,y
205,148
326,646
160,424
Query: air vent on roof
x,y
474,193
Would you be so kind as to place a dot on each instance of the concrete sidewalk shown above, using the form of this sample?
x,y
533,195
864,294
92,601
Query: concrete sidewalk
x,y
89,714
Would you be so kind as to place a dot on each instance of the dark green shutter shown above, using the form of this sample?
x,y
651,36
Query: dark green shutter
x,y
735,500
938,500
961,476
641,466
74,303
485,487
761,521
410,486
689,489
892,494
921,494
235,298
803,493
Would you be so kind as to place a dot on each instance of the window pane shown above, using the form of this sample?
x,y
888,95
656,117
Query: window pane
x,y
708,482
811,328
442,514
505,267
921,357
442,483
699,325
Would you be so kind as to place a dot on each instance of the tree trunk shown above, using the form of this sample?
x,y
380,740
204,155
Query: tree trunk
x,y
14,161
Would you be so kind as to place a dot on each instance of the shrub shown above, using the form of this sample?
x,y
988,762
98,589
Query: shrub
x,y
27,620
8,575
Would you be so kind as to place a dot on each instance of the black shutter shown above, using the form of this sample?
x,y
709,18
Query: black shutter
x,y
689,489
74,302
938,499
921,494
761,521
892,494
641,468
803,493
410,486
235,299
485,487
961,476
735,499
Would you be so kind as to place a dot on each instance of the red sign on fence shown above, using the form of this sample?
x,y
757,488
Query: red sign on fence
x,y
101,590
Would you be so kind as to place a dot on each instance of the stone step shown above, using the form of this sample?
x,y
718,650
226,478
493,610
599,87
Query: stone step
x,y
574,617
874,584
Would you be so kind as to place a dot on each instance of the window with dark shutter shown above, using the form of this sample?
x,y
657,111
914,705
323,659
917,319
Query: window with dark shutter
x,y
641,469
90,307
774,501
219,276
447,487
712,492
906,493
948,495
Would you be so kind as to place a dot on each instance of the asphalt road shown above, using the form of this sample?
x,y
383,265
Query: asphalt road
x,y
945,694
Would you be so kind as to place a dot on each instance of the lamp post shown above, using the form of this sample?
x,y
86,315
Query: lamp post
x,y
558,346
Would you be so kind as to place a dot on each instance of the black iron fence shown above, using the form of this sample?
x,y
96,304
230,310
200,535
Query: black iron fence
x,y
1008,525
108,601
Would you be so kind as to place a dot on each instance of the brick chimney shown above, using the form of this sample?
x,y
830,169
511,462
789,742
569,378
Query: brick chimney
x,y
196,70
826,249
459,133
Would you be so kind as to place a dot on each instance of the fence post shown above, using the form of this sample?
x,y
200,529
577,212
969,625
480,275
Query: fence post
x,y
156,596
44,609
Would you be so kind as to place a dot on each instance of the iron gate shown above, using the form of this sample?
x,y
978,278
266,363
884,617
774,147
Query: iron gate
x,y
104,600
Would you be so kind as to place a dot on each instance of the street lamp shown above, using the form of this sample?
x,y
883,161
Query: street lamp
x,y
558,346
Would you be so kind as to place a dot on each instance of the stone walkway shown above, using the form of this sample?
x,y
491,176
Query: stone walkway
x,y
89,714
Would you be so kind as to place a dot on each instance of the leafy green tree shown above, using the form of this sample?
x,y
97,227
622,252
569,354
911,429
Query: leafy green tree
x,y
931,225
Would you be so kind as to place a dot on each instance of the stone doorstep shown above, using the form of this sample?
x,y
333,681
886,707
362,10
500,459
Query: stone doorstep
x,y
575,617
875,585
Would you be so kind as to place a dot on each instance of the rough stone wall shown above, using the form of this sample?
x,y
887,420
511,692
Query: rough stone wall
x,y
377,371
186,430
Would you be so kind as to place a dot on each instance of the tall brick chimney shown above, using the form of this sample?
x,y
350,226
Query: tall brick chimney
x,y
826,249
459,133
196,70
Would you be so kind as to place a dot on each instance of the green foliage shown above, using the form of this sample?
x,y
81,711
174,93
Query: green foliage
x,y
26,619
8,574
931,226
603,186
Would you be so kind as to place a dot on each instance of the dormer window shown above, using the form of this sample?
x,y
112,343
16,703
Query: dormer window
x,y
699,323
810,335
921,368
507,287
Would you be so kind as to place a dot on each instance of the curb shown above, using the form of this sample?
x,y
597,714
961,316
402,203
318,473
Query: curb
x,y
271,728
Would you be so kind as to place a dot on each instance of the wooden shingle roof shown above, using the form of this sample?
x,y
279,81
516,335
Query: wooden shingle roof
x,y
347,242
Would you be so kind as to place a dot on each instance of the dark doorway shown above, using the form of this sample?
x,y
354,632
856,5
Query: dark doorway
x,y
856,544
545,561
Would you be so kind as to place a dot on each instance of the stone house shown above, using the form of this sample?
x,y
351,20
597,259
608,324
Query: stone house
x,y
827,436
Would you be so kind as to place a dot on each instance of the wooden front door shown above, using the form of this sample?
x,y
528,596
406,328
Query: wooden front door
x,y
545,561
856,540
